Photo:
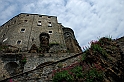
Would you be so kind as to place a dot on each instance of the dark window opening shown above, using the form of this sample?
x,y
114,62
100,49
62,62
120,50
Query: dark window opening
x,y
49,24
26,20
32,39
27,15
40,15
22,30
15,21
50,32
67,34
49,17
18,42
39,23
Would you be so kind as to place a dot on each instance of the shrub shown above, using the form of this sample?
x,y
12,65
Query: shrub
x,y
23,60
93,75
77,72
62,76
98,48
83,56
60,65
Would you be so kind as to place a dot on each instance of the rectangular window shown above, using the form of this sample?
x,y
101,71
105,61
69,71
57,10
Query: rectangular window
x,y
49,24
49,16
22,30
19,42
50,32
27,15
26,21
39,23
40,15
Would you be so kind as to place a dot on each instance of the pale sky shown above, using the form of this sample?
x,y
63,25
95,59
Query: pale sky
x,y
90,19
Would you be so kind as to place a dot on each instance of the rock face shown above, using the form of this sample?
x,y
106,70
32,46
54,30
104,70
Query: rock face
x,y
120,43
108,54
105,54
113,62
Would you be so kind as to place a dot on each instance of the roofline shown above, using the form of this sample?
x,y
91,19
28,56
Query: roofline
x,y
68,28
36,14
25,13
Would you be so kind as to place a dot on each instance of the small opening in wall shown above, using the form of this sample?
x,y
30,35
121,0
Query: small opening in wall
x,y
49,24
50,32
49,17
19,42
32,39
26,20
67,34
27,15
40,15
14,21
17,16
22,30
39,23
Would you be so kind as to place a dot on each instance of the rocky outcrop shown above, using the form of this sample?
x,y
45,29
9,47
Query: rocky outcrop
x,y
106,55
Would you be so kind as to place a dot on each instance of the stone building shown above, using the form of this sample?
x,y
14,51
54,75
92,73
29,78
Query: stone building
x,y
28,41
25,30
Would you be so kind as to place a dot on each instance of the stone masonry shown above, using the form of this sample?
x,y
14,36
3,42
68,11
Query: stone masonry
x,y
29,41
24,30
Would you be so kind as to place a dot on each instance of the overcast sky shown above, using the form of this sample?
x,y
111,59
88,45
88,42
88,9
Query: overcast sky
x,y
90,19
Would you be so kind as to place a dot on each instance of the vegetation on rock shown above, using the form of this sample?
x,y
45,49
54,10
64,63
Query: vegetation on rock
x,y
99,62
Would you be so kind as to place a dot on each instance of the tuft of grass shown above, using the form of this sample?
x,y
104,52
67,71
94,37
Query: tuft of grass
x,y
52,44
63,76
98,48
83,56
41,55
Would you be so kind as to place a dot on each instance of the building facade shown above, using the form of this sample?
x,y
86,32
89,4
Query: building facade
x,y
24,30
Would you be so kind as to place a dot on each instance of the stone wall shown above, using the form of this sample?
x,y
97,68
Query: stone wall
x,y
35,69
34,60
23,30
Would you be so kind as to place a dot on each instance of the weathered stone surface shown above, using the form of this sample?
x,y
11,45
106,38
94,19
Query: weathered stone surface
x,y
28,28
113,64
33,49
